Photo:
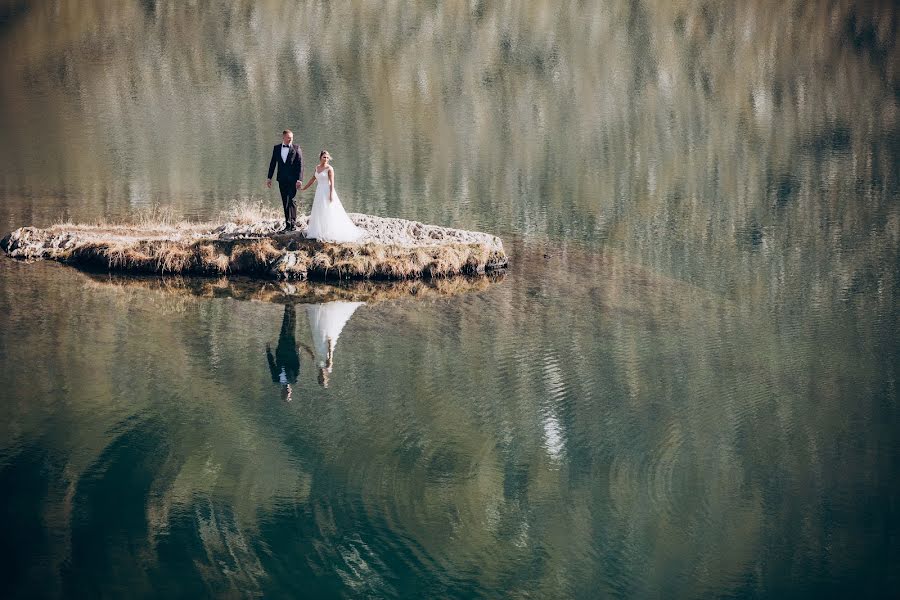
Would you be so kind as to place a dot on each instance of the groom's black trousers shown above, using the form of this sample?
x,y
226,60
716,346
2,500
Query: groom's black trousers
x,y
288,192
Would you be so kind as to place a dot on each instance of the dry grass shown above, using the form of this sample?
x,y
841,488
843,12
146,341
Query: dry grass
x,y
264,257
144,257
254,257
212,258
248,212
157,218
162,244
378,261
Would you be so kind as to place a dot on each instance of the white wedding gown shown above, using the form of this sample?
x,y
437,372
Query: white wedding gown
x,y
328,221
325,323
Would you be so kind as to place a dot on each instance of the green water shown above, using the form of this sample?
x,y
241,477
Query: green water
x,y
684,387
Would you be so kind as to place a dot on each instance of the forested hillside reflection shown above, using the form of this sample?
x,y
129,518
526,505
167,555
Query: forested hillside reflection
x,y
489,441
685,387
684,132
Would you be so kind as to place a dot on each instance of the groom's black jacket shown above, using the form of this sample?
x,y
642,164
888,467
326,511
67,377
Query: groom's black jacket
x,y
291,170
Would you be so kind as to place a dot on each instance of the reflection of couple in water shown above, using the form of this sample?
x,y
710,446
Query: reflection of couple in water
x,y
325,324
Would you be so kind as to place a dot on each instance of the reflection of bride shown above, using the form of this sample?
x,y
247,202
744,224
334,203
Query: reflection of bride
x,y
325,324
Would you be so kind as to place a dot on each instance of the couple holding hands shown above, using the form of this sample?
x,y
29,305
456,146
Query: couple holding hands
x,y
328,221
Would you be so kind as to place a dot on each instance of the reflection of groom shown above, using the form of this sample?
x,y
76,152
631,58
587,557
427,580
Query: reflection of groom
x,y
288,157
285,364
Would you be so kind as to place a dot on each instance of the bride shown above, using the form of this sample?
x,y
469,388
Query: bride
x,y
328,222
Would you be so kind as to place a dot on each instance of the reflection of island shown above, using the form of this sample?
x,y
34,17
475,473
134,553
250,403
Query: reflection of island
x,y
285,364
325,324
297,292
330,306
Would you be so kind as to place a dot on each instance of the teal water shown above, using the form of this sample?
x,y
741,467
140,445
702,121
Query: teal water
x,y
684,387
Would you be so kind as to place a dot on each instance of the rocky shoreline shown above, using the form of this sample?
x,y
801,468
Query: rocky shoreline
x,y
392,249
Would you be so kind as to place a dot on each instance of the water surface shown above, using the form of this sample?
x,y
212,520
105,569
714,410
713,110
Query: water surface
x,y
686,385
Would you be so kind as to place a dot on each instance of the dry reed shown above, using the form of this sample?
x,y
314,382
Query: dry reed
x,y
160,243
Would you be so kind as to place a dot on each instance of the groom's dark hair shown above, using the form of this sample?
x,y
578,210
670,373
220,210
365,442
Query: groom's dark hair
x,y
287,131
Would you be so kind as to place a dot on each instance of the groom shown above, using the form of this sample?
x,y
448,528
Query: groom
x,y
289,159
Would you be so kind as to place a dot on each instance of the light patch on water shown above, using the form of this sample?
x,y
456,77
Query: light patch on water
x,y
553,433
361,568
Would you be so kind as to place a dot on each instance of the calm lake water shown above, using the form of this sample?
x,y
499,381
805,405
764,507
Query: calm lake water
x,y
684,387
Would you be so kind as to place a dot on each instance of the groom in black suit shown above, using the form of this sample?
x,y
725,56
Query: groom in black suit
x,y
288,157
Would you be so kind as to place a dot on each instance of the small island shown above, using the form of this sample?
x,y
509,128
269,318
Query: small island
x,y
393,249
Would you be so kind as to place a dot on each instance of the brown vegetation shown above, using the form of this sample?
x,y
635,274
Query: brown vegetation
x,y
252,249
303,292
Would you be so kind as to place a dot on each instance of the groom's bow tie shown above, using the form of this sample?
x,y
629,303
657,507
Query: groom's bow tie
x,y
285,146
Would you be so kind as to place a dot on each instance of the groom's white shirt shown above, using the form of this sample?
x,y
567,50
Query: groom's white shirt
x,y
284,153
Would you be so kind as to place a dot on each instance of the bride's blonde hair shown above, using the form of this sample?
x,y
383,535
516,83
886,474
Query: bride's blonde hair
x,y
323,153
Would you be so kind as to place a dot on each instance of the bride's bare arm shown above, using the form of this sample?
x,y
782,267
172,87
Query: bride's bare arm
x,y
308,183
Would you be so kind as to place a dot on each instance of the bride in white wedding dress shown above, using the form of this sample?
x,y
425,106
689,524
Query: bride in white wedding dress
x,y
328,221
325,324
